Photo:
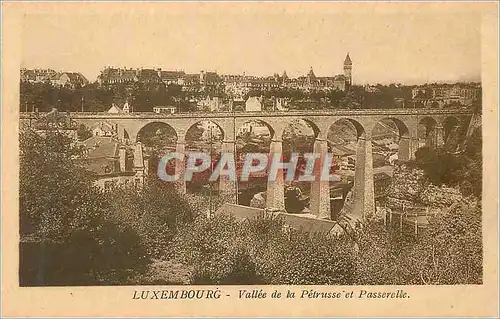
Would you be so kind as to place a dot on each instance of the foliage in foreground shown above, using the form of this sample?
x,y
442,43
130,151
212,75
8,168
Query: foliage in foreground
x,y
155,212
449,252
463,169
73,233
260,251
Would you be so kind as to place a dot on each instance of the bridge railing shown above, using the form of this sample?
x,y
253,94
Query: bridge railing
x,y
262,113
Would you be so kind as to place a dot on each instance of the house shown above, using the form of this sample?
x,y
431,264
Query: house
x,y
126,107
210,131
164,109
281,104
103,129
115,109
69,79
297,222
253,104
37,75
254,128
113,163
210,104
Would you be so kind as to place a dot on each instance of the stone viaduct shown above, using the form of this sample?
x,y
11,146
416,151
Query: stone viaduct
x,y
438,124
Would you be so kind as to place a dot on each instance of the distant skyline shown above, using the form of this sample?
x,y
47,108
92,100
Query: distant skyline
x,y
385,48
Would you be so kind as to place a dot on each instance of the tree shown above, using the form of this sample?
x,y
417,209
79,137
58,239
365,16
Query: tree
x,y
67,235
156,212
83,132
463,169
448,252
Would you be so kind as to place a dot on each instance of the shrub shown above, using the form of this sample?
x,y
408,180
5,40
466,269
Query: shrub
x,y
67,235
155,212
448,252
305,259
215,249
257,251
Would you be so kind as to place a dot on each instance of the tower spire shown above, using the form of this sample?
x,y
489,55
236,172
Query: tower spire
x,y
347,60
348,70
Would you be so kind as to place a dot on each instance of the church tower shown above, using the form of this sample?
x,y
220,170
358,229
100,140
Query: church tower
x,y
348,70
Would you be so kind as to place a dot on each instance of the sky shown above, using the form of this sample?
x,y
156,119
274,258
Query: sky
x,y
385,47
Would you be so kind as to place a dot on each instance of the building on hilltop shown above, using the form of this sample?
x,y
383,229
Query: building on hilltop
x,y
111,76
172,77
64,79
348,70
37,75
69,79
311,82
441,95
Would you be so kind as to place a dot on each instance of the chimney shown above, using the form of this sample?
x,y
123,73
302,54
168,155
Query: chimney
x,y
123,158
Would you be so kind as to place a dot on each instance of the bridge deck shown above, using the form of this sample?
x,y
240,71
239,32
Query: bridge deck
x,y
343,112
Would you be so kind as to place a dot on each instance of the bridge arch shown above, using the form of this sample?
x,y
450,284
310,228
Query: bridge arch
x,y
299,135
155,132
358,128
450,123
344,136
313,126
259,121
385,137
252,136
204,127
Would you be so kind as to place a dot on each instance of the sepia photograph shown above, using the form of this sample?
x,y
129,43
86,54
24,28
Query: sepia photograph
x,y
255,146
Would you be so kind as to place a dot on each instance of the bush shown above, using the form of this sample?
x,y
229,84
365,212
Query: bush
x,y
68,227
306,259
214,248
155,212
449,252
463,169
257,251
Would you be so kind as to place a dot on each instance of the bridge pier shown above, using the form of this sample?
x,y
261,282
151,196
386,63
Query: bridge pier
x,y
227,186
404,152
180,165
320,189
120,130
276,189
363,194
439,142
139,164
